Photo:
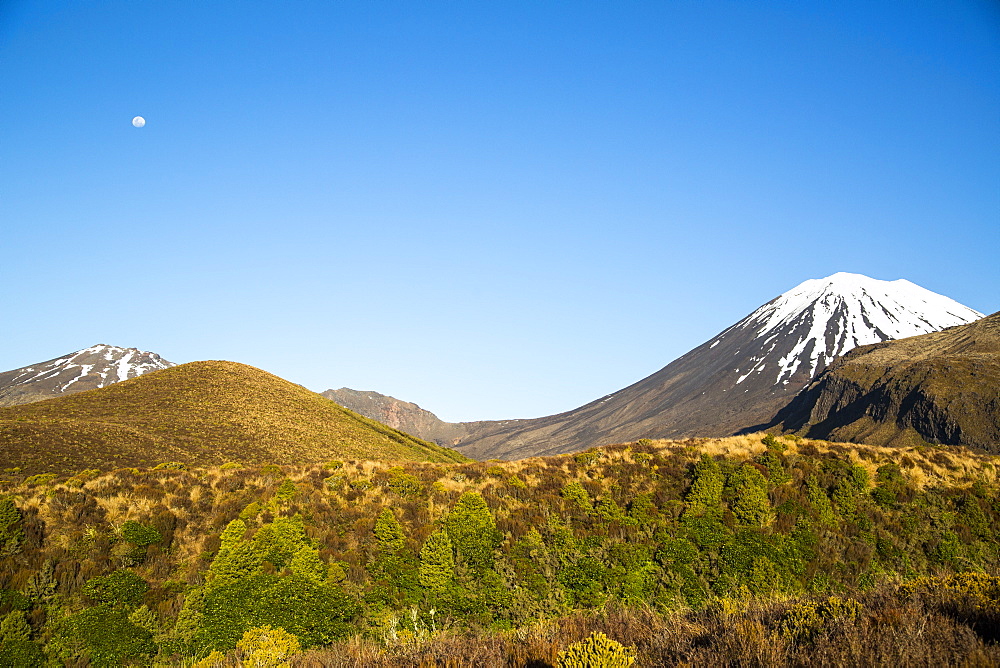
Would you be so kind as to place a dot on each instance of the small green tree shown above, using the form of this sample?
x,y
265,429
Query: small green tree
x,y
473,531
140,535
437,563
389,533
751,505
820,502
14,627
307,563
705,493
16,648
576,494
11,531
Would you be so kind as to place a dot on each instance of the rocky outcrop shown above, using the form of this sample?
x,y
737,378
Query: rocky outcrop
x,y
402,415
939,388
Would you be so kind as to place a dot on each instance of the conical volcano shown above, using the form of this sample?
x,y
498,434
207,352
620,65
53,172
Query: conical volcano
x,y
740,377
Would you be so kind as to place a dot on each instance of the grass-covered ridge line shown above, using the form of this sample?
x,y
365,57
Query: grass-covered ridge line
x,y
200,414
182,563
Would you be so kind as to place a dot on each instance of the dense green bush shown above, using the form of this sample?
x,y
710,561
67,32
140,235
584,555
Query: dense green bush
x,y
264,647
473,531
109,638
11,529
119,588
316,613
139,534
437,563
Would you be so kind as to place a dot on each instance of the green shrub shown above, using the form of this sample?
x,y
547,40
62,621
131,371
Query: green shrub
x,y
41,586
271,471
11,599
139,534
705,493
750,505
229,466
110,638
437,563
388,532
403,483
804,620
11,529
40,479
286,490
597,651
317,613
251,511
118,588
14,627
21,654
587,458
517,482
264,647
170,466
820,502
608,510
575,493
473,531
773,443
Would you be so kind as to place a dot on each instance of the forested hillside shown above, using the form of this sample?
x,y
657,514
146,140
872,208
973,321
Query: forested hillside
x,y
364,559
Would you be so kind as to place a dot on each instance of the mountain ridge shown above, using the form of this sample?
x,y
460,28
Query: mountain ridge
x,y
942,387
741,376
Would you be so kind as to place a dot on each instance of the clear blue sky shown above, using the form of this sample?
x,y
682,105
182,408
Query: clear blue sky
x,y
492,209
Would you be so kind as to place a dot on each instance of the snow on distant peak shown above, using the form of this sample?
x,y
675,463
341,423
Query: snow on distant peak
x,y
101,363
825,318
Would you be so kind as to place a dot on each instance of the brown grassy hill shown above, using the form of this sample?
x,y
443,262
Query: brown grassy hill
x,y
202,413
942,387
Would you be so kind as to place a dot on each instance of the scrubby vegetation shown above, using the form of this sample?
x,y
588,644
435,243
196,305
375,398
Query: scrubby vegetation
x,y
742,550
198,414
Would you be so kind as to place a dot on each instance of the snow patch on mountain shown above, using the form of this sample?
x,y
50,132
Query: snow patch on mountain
x,y
100,360
828,317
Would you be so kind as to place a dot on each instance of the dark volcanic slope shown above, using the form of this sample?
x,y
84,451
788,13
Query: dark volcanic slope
x,y
942,387
741,377
399,414
87,369
202,413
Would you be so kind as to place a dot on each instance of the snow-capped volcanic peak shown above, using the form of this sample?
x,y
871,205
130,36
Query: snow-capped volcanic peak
x,y
827,317
99,366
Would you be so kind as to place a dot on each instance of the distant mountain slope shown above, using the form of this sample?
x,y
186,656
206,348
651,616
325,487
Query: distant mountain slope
x,y
399,414
942,387
199,413
87,369
740,377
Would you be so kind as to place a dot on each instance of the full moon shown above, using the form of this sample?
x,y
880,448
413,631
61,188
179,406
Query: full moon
x,y
138,121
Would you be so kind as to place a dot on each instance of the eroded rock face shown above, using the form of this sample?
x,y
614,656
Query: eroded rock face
x,y
398,414
940,388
